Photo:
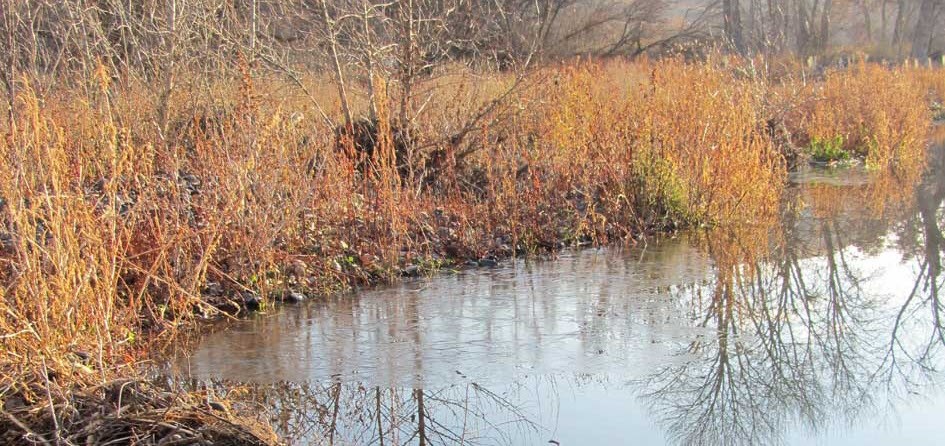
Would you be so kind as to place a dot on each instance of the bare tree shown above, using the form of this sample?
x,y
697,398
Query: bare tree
x,y
9,73
867,10
922,37
732,21
813,25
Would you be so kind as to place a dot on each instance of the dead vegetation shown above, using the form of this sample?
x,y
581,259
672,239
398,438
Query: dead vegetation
x,y
127,411
120,234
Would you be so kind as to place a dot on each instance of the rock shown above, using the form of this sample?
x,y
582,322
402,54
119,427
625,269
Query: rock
x,y
296,268
488,262
472,263
7,243
171,439
189,182
251,300
213,289
293,297
216,406
13,403
412,271
82,356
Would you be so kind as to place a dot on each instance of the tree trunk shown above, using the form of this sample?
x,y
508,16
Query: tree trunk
x,y
824,34
897,25
253,31
407,60
733,24
9,74
336,64
777,10
884,21
803,28
867,20
772,38
421,418
369,54
922,37
168,70
750,33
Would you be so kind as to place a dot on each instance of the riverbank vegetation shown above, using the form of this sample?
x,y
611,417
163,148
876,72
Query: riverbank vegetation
x,y
147,187
115,238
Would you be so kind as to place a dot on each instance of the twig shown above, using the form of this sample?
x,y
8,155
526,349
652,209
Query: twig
x,y
29,432
52,407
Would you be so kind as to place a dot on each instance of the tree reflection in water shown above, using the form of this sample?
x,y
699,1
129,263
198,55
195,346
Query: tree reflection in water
x,y
805,321
798,339
351,414
922,311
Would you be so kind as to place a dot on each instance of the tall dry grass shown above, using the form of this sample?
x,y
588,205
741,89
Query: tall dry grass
x,y
876,113
119,233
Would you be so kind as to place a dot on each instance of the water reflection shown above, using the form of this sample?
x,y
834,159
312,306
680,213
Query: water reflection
x,y
336,413
828,320
921,315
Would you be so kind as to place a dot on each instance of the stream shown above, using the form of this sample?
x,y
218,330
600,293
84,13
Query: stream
x,y
824,327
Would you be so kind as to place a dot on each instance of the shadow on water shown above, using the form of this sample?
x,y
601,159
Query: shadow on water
x,y
825,326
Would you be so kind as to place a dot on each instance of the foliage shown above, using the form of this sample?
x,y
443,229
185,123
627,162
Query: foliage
x,y
880,115
828,150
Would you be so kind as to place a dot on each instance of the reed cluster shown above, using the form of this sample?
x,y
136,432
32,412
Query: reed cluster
x,y
125,223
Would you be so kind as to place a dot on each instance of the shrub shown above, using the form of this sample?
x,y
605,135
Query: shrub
x,y
880,115
828,150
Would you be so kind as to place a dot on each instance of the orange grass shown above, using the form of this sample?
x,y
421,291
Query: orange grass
x,y
114,227
879,114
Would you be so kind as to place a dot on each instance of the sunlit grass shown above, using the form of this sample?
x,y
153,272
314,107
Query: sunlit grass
x,y
114,223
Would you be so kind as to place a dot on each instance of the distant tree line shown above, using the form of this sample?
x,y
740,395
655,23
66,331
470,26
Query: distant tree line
x,y
164,42
896,28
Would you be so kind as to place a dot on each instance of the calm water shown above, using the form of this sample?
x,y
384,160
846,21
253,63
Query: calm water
x,y
823,328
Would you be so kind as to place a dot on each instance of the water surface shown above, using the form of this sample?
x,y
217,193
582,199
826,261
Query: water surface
x,y
822,328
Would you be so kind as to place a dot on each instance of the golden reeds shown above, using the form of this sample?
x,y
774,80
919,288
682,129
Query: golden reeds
x,y
117,232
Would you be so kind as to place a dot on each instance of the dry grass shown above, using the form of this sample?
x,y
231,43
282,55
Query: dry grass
x,y
878,114
128,411
118,231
